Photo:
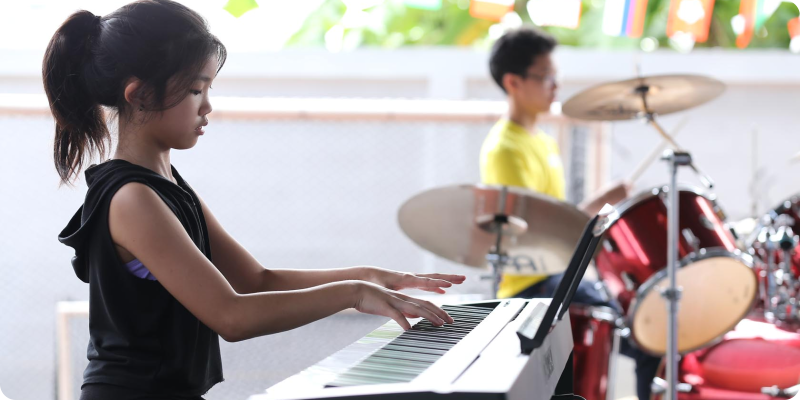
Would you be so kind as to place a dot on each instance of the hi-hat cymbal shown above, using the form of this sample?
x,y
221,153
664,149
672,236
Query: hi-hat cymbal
x,y
454,222
664,94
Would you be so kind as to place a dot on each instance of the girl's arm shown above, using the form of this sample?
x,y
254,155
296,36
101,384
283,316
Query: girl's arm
x,y
141,223
247,275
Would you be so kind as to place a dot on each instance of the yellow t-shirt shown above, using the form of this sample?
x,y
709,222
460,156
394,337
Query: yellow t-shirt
x,y
512,156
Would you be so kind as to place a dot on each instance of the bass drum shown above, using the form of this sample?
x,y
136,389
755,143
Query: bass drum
x,y
719,285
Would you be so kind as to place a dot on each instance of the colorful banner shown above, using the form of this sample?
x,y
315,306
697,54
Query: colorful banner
x,y
493,10
752,11
624,17
794,27
690,17
563,13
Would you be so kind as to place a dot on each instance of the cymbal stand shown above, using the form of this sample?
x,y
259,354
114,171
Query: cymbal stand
x,y
643,90
787,241
496,257
673,293
676,158
769,306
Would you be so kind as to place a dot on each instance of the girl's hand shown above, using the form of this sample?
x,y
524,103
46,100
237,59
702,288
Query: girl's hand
x,y
373,299
398,280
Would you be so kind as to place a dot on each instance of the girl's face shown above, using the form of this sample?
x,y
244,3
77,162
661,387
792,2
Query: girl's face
x,y
179,127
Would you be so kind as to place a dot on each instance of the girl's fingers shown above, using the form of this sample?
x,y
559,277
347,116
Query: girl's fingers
x,y
428,306
445,277
434,290
413,308
398,317
422,282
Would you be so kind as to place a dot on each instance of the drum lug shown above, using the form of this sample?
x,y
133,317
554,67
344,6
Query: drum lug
x,y
692,239
630,284
775,391
670,294
659,386
624,331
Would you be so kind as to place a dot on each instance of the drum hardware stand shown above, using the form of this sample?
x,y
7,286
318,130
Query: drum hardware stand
x,y
659,386
672,294
497,259
763,238
772,287
676,158
499,224
776,391
611,385
787,241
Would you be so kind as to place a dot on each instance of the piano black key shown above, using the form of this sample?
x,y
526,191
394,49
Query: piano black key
x,y
408,354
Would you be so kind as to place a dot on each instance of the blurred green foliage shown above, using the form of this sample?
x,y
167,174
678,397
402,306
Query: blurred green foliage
x,y
391,24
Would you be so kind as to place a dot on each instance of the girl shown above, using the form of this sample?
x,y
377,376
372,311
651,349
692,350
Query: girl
x,y
165,279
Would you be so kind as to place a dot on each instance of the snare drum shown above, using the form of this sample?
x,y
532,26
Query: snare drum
x,y
717,281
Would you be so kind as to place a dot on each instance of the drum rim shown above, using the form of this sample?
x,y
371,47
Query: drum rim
x,y
601,313
627,205
702,254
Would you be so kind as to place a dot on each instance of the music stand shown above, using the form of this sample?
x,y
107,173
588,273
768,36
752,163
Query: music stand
x,y
536,326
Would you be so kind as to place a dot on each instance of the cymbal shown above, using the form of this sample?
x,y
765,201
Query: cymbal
x,y
455,222
665,94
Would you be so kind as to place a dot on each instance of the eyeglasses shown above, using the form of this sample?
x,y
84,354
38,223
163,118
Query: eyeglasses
x,y
547,80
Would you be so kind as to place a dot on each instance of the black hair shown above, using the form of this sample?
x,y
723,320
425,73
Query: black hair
x,y
517,50
90,60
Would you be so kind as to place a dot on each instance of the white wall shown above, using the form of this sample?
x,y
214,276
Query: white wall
x,y
763,95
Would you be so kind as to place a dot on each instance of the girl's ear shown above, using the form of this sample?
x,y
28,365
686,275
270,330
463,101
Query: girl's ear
x,y
133,94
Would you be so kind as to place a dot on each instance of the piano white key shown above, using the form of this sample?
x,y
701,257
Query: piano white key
x,y
472,365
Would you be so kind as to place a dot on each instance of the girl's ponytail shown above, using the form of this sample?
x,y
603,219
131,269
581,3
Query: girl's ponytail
x,y
67,73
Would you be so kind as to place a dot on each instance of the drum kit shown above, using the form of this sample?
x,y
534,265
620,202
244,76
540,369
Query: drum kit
x,y
723,310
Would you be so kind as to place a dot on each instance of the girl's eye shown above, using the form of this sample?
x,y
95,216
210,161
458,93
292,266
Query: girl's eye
x,y
195,92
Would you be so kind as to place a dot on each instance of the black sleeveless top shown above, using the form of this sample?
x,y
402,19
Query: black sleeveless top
x,y
141,337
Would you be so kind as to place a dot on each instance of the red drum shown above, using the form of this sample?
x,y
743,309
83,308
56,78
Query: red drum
x,y
718,284
594,349
753,356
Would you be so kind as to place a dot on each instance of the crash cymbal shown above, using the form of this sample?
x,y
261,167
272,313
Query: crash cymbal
x,y
664,94
458,223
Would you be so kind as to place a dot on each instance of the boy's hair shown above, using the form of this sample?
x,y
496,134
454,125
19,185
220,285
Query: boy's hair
x,y
516,51
90,59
